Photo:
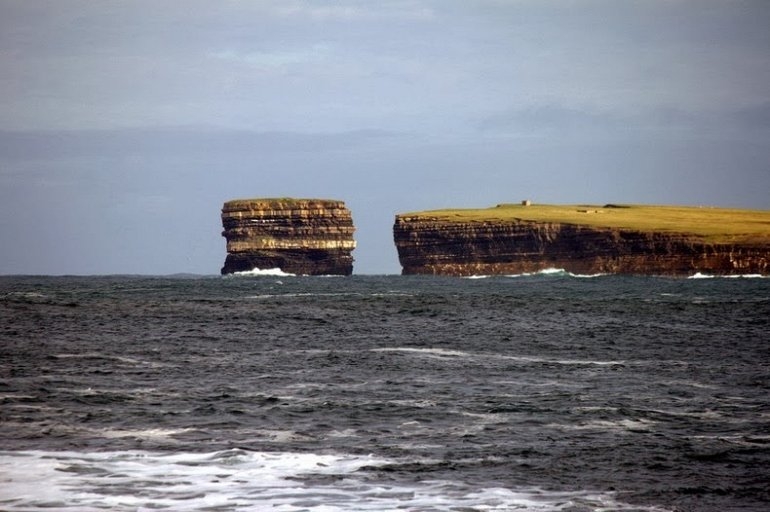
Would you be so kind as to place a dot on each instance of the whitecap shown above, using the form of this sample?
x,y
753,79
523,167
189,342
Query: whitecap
x,y
150,433
621,425
241,480
544,272
700,275
440,352
278,435
16,396
25,295
586,276
570,362
550,271
255,272
97,355
303,294
445,353
345,433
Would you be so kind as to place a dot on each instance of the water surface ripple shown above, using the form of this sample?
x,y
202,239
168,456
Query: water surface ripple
x,y
546,392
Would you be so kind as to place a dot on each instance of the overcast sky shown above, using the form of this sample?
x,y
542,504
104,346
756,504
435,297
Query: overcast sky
x,y
124,125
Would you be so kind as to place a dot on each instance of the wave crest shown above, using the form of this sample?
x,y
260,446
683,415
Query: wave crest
x,y
263,272
700,275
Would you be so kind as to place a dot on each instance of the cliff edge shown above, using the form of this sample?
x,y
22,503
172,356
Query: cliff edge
x,y
298,236
515,239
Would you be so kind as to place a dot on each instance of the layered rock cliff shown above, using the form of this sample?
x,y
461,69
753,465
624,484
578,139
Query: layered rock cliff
x,y
439,245
298,236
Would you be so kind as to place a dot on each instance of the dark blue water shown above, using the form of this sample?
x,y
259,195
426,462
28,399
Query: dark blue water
x,y
546,392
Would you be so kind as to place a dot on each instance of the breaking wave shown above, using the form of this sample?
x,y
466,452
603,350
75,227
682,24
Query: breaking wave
x,y
264,272
241,480
546,272
700,275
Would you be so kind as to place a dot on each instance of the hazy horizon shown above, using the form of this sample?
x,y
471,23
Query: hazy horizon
x,y
124,126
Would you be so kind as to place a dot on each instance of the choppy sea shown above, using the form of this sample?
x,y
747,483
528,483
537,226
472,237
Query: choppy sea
x,y
546,392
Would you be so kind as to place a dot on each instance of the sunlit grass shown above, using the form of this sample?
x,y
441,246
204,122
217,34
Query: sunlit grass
x,y
274,202
715,225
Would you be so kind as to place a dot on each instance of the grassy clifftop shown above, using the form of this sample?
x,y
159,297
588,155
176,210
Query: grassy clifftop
x,y
715,225
281,202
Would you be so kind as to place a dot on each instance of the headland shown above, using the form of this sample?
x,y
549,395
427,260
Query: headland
x,y
584,239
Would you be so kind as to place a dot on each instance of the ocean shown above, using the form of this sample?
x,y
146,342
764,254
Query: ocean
x,y
545,392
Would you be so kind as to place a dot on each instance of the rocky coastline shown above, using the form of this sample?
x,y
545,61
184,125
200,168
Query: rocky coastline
x,y
297,236
440,244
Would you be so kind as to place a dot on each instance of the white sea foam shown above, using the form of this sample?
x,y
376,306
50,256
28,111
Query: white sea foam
x,y
16,396
747,439
621,425
690,383
700,275
555,272
543,272
345,433
263,272
440,352
24,295
264,296
444,353
150,433
97,355
298,295
238,480
566,362
547,271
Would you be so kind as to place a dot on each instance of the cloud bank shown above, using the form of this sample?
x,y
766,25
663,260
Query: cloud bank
x,y
127,124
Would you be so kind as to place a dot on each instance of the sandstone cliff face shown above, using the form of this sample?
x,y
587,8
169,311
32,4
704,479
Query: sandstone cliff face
x,y
299,236
429,246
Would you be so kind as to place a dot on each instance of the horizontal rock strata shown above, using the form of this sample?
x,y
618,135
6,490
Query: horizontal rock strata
x,y
461,248
298,236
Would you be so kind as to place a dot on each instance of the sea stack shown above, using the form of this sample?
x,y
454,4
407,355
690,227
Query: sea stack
x,y
584,239
297,236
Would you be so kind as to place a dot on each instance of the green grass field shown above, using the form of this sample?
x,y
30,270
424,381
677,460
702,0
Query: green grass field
x,y
278,201
715,225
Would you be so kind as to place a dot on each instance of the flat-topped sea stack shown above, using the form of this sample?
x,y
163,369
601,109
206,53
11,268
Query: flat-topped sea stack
x,y
613,239
297,236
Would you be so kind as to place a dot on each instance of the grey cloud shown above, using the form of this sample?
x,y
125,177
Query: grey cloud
x,y
147,142
550,118
754,118
555,120
113,113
